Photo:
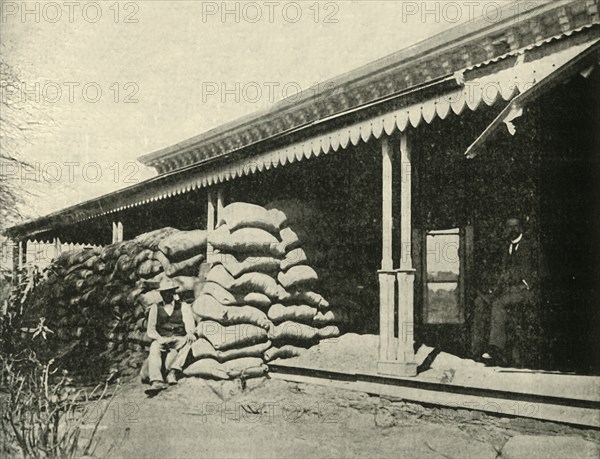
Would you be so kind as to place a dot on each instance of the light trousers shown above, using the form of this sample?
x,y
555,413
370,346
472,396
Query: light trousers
x,y
176,350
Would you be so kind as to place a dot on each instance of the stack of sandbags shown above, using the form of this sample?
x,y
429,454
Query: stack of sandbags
x,y
303,317
98,297
257,303
178,255
331,248
240,286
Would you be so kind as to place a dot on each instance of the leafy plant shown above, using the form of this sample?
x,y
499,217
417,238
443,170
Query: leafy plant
x,y
44,414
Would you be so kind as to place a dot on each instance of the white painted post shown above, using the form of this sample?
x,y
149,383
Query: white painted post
x,y
210,221
396,356
220,203
406,273
57,247
117,232
387,341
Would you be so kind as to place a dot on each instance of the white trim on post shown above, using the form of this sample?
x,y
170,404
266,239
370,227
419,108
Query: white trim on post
x,y
387,341
386,202
220,203
210,220
57,247
405,204
406,273
117,232
396,355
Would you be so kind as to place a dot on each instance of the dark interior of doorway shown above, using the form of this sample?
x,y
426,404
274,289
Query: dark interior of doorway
x,y
547,174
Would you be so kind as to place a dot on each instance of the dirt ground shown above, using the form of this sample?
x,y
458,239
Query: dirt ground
x,y
274,418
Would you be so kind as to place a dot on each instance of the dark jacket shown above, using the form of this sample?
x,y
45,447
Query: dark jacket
x,y
523,264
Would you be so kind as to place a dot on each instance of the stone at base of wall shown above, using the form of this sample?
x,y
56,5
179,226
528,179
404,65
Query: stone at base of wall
x,y
545,446
397,368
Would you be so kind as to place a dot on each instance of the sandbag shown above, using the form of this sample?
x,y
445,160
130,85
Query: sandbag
x,y
223,338
183,245
253,282
293,258
330,331
252,372
85,273
226,298
249,282
133,295
302,313
219,275
148,268
124,263
99,267
139,337
206,368
289,240
185,283
254,241
207,307
188,267
256,350
91,262
297,276
149,298
130,248
292,331
247,264
109,252
238,367
259,300
308,297
151,239
244,215
142,256
284,352
332,316
203,349
219,293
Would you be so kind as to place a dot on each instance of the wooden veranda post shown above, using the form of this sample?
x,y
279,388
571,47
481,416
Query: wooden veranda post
x,y
220,202
117,235
387,341
210,220
406,273
16,260
396,355
57,247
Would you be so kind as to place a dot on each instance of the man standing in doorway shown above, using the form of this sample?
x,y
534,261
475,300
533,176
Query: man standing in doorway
x,y
515,286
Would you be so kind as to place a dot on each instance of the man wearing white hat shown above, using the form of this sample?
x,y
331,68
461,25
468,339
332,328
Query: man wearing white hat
x,y
171,325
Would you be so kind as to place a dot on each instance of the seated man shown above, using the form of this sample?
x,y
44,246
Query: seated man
x,y
514,287
171,325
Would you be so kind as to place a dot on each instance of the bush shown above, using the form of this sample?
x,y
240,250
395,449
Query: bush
x,y
42,411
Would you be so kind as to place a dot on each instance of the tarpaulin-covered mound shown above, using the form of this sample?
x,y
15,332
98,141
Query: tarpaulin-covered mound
x,y
255,299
